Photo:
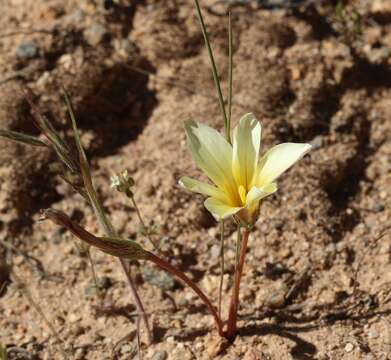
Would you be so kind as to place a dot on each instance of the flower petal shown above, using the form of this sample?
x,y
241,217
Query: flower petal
x,y
219,209
202,188
211,152
256,194
278,159
246,143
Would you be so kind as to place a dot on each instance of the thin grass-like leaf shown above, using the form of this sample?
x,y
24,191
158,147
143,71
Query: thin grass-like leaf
x,y
46,127
230,71
73,181
22,138
339,8
86,173
214,70
3,352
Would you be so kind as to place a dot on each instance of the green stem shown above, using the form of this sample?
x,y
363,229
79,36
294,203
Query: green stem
x,y
230,67
214,71
145,229
139,304
94,276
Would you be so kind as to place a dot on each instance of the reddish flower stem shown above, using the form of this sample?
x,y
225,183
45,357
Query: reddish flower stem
x,y
60,218
233,308
176,272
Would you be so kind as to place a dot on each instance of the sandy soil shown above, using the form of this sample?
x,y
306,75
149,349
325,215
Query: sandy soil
x,y
136,70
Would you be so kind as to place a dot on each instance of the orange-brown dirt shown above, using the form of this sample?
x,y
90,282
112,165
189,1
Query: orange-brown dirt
x,y
135,71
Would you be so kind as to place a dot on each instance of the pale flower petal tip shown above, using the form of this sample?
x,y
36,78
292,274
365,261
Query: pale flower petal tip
x,y
308,147
249,117
279,159
257,194
189,124
211,152
219,209
181,184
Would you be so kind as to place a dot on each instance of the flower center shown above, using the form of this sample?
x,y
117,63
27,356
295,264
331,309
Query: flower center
x,y
242,193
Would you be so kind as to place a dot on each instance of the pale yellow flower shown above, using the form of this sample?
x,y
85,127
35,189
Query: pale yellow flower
x,y
240,179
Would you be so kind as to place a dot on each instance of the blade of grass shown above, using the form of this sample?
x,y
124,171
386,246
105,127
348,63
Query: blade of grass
x,y
229,127
23,138
101,215
230,67
45,126
145,228
214,71
3,352
94,276
85,171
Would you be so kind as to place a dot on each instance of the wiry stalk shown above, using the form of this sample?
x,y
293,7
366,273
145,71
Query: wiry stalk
x,y
101,215
214,71
142,223
94,276
139,305
233,308
230,71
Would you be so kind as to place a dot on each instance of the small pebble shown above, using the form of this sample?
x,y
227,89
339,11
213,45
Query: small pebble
x,y
160,355
43,79
103,283
126,349
27,50
77,16
369,357
215,251
215,345
321,355
317,142
158,278
96,34
181,302
349,347
72,318
80,353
